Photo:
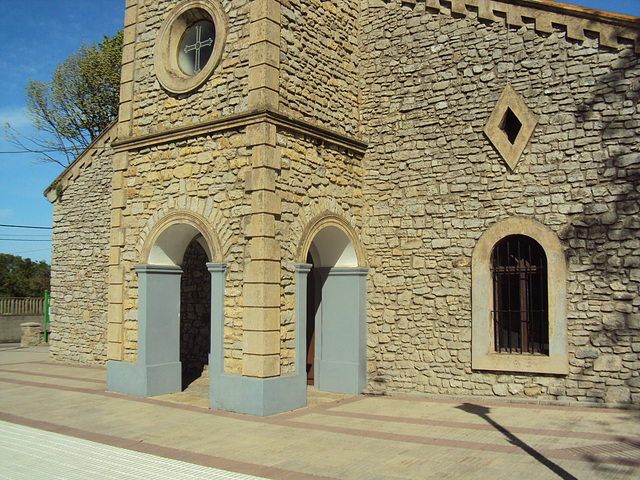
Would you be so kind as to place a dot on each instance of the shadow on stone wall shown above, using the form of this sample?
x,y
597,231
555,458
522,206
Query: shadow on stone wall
x,y
603,241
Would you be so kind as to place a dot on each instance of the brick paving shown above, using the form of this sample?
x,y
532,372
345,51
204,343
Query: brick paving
x,y
347,437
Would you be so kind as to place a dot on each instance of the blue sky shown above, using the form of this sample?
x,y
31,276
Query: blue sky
x,y
37,35
628,7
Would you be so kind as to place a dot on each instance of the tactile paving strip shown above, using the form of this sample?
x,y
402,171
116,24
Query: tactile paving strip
x,y
31,454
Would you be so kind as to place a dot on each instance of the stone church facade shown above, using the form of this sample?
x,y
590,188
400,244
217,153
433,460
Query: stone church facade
x,y
391,197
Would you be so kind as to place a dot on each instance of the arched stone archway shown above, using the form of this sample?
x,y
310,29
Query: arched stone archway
x,y
171,234
178,237
331,306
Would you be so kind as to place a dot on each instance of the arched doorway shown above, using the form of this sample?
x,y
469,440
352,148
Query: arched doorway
x,y
182,248
176,281
335,312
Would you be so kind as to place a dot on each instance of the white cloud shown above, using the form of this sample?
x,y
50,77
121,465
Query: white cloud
x,y
6,213
16,116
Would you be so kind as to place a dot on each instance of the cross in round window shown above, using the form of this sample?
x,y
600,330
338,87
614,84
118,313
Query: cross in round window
x,y
196,47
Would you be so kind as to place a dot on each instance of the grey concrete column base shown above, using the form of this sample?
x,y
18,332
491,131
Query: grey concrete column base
x,y
257,396
340,377
144,380
340,361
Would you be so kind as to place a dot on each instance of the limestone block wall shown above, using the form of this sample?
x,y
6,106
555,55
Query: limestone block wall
x,y
225,93
81,198
434,184
315,179
318,63
206,176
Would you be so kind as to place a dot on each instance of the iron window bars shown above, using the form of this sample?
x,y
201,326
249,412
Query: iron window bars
x,y
520,306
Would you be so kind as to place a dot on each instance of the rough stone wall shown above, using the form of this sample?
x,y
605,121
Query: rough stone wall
x,y
203,175
429,186
318,63
224,93
314,179
434,184
80,261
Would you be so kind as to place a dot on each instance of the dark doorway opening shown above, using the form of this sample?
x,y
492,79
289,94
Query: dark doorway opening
x,y
312,308
195,313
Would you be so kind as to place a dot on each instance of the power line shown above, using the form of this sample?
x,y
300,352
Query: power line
x,y
22,240
28,151
32,251
30,235
24,226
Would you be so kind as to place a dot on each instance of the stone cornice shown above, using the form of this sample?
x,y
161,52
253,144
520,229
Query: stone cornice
x,y
546,15
356,146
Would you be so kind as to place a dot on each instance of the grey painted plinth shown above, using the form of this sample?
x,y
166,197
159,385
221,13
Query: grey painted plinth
x,y
235,393
143,380
341,330
158,370
257,396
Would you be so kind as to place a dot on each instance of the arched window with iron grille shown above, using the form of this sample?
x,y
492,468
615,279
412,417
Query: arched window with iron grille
x,y
520,310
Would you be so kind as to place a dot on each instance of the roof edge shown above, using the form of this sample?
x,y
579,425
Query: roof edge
x,y
547,15
584,12
83,159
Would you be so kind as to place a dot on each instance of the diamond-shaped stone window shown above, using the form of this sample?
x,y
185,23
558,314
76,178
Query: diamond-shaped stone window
x,y
510,126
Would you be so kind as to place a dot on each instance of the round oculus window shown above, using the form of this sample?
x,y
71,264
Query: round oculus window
x,y
196,47
190,44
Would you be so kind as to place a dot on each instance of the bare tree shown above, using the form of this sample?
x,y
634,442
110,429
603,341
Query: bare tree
x,y
79,101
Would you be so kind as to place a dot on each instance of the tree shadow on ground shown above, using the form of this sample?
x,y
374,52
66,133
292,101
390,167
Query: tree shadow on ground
x,y
483,412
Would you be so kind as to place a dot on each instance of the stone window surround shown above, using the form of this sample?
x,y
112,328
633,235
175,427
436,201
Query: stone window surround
x,y
509,150
483,355
165,58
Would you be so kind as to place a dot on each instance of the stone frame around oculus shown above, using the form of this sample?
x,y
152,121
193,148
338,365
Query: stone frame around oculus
x,y
510,126
166,51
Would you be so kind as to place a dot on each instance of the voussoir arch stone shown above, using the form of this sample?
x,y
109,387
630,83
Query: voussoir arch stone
x,y
331,220
169,237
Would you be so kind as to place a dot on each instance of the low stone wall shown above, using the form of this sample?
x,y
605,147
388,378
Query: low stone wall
x,y
10,330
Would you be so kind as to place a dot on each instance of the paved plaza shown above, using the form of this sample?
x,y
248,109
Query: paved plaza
x,y
57,421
